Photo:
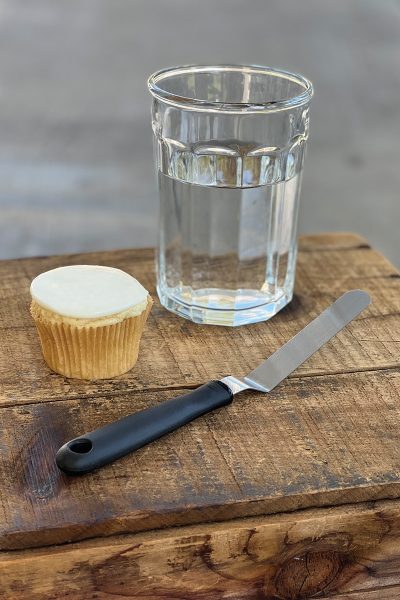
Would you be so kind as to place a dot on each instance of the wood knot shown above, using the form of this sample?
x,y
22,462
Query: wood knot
x,y
308,574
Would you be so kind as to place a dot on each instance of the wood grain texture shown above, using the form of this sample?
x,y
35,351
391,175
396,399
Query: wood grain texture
x,y
176,353
346,552
386,593
327,436
332,241
315,441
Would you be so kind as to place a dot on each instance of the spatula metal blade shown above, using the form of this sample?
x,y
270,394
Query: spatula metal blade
x,y
285,360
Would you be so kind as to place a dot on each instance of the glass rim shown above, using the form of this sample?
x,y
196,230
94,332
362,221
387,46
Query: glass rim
x,y
197,104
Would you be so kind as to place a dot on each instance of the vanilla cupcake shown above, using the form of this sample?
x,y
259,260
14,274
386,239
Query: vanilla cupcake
x,y
90,320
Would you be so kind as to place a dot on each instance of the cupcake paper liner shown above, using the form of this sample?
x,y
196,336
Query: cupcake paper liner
x,y
92,352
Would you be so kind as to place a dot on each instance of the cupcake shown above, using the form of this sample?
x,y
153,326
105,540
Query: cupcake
x,y
90,320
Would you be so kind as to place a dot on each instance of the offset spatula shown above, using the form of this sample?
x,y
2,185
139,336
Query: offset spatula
x,y
104,445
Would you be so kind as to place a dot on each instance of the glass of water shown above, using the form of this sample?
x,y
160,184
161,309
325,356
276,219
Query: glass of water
x,y
229,147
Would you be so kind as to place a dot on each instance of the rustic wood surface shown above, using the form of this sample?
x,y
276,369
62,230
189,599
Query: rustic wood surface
x,y
176,353
350,552
327,436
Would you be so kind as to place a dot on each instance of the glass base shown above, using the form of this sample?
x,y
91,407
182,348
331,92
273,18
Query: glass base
x,y
257,307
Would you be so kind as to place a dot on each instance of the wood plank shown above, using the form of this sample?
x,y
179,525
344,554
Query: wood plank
x,y
386,593
332,241
176,353
350,553
313,441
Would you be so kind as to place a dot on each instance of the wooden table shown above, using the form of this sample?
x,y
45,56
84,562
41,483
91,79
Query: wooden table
x,y
285,496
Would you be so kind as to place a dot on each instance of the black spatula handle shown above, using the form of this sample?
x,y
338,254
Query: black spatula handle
x,y
104,445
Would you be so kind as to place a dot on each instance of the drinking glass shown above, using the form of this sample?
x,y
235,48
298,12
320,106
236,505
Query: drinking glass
x,y
229,144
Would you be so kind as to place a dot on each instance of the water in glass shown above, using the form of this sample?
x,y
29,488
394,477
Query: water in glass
x,y
228,249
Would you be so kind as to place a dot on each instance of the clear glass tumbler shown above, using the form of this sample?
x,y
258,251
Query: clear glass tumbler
x,y
229,148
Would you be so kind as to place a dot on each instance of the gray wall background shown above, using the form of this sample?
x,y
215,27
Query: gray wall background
x,y
75,144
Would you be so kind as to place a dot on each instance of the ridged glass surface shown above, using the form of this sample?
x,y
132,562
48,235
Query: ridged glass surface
x,y
229,188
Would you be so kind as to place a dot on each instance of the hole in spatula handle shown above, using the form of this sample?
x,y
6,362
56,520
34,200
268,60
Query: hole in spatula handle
x,y
81,446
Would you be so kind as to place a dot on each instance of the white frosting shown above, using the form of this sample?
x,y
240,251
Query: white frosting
x,y
87,291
